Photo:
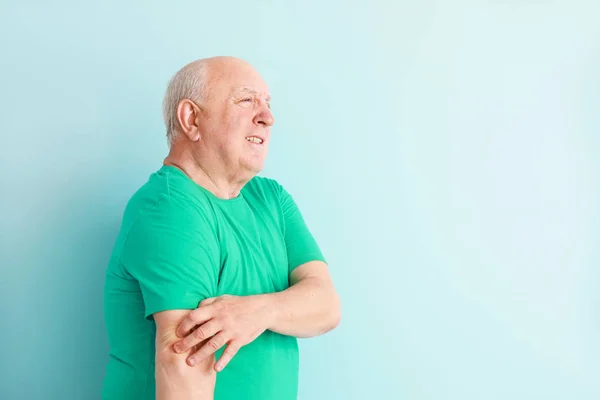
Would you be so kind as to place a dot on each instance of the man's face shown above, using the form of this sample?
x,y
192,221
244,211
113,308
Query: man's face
x,y
236,118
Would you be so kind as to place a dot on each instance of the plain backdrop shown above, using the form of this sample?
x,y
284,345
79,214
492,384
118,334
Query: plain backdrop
x,y
445,154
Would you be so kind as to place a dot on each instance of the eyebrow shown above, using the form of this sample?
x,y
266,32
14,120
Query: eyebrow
x,y
252,91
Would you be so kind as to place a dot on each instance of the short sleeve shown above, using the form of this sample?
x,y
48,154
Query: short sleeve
x,y
173,252
300,244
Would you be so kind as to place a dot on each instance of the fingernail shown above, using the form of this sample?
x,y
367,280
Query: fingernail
x,y
192,361
177,348
218,368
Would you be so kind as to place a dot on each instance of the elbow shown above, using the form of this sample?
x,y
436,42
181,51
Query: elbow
x,y
335,314
334,322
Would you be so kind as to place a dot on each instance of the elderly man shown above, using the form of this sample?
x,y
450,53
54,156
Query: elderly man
x,y
214,273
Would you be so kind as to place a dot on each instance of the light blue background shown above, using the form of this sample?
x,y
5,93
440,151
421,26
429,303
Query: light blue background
x,y
445,154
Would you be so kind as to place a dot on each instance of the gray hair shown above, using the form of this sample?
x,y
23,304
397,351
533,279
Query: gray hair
x,y
188,83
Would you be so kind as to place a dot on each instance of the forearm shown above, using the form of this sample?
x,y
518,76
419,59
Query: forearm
x,y
309,308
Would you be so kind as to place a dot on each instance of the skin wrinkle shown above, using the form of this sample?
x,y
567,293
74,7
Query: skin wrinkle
x,y
210,144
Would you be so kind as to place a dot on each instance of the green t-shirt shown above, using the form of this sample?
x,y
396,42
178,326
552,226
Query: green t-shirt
x,y
180,244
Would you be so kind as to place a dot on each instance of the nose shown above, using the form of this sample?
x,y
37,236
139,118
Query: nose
x,y
264,117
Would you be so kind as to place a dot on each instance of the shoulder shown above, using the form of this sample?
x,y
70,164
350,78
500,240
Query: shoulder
x,y
267,188
167,201
263,181
170,229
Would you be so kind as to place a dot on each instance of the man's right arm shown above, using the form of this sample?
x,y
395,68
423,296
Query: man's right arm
x,y
173,252
175,379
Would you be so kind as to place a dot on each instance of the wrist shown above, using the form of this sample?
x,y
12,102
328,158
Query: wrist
x,y
268,310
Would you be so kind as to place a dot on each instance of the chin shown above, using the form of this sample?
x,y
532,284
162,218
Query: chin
x,y
255,166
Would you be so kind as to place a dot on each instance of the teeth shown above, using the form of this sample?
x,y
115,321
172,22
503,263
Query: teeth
x,y
254,139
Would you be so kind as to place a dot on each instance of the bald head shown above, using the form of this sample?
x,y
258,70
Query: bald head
x,y
218,117
195,81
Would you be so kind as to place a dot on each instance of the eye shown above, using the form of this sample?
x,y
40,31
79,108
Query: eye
x,y
246,100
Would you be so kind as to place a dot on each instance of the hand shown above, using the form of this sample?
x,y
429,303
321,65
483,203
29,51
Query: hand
x,y
232,320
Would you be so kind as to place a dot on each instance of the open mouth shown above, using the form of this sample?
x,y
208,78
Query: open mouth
x,y
254,139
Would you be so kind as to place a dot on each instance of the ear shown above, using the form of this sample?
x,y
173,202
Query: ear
x,y
187,114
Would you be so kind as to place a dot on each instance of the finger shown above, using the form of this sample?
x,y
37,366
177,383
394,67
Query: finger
x,y
201,333
206,302
230,351
195,317
208,348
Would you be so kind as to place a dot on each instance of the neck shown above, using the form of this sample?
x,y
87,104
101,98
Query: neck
x,y
209,175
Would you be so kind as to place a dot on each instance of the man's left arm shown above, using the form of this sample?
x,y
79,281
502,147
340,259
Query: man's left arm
x,y
309,307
